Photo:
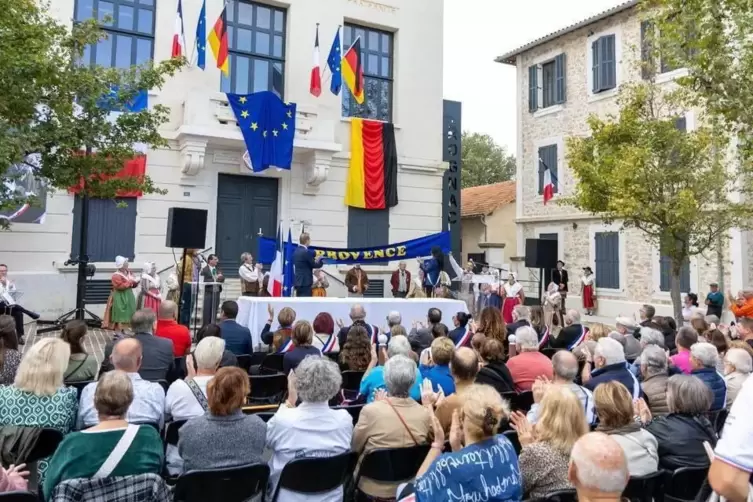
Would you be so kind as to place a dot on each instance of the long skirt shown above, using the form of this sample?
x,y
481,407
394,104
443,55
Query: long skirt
x,y
510,303
120,308
150,302
588,297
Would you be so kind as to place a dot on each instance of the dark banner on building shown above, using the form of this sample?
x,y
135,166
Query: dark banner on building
x,y
452,154
415,248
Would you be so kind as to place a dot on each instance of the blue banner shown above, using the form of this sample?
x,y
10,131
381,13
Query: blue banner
x,y
415,248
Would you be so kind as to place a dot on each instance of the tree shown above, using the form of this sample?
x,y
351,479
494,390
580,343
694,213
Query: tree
x,y
640,169
57,107
484,161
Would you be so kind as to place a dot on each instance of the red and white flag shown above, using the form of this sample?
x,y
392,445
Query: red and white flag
x,y
316,74
274,287
179,36
548,184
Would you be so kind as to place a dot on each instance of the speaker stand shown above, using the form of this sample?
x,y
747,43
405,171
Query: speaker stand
x,y
541,283
181,280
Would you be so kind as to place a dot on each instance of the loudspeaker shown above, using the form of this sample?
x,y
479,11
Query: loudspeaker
x,y
541,253
186,228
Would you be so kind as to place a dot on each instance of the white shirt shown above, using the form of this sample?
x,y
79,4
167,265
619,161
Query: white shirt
x,y
734,447
181,404
248,273
6,292
310,430
587,280
147,407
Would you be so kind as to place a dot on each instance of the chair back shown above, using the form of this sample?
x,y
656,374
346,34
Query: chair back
x,y
163,383
172,432
645,488
273,363
234,484
316,475
684,483
353,409
179,369
512,436
79,386
267,389
18,497
244,361
522,401
392,465
560,496
352,380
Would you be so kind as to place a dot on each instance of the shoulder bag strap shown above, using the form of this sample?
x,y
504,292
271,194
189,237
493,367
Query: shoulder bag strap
x,y
117,454
75,369
200,397
403,421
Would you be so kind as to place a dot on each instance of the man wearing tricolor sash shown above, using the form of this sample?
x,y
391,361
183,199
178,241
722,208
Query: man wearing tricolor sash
x,y
358,318
573,334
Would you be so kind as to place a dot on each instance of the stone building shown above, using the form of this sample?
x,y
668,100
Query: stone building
x,y
271,46
562,78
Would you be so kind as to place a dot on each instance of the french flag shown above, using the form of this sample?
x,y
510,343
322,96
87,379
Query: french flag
x,y
316,74
548,183
275,273
179,36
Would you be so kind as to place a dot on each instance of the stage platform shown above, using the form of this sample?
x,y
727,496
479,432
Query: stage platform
x,y
252,311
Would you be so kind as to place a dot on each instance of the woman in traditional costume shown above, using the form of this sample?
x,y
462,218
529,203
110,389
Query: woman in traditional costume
x,y
587,291
122,304
514,295
320,284
416,289
150,296
552,300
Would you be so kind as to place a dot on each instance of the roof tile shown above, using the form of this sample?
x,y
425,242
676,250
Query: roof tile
x,y
484,199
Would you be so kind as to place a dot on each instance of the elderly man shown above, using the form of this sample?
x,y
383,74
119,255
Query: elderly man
x,y
394,319
529,364
158,353
647,313
627,327
374,380
742,306
420,337
168,327
565,366
357,318
400,281
737,368
521,316
703,359
572,334
649,336
653,363
609,364
598,468
464,368
148,397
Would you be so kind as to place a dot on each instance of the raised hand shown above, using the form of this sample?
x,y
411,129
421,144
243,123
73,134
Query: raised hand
x,y
523,427
380,395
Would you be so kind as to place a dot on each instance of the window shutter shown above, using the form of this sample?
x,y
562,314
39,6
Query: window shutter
x,y
596,63
607,261
552,163
541,159
681,124
647,60
607,63
104,215
533,88
559,79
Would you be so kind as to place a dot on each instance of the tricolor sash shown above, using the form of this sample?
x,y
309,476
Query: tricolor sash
x,y
329,345
465,338
544,342
583,333
286,347
374,334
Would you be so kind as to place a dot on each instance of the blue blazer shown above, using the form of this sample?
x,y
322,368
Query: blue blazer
x,y
237,338
431,272
304,265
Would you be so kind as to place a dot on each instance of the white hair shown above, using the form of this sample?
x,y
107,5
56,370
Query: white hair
x,y
600,463
526,338
398,346
740,359
399,375
650,336
208,353
654,360
706,353
394,318
573,316
521,312
611,350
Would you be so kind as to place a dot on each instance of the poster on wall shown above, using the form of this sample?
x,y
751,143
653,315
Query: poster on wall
x,y
21,181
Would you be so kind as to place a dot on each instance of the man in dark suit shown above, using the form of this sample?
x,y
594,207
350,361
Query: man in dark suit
x,y
304,264
572,334
521,317
237,338
560,278
158,359
212,275
358,318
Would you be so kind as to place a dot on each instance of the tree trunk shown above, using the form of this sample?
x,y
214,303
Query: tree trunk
x,y
674,292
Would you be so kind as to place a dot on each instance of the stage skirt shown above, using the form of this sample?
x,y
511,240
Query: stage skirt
x,y
507,307
588,296
152,303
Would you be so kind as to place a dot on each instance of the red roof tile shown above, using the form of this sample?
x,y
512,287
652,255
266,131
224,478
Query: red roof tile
x,y
483,200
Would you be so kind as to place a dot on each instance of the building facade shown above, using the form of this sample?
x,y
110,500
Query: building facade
x,y
562,79
489,233
271,46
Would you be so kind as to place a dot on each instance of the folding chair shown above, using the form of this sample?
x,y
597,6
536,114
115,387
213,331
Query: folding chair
x,y
315,476
234,484
645,488
391,465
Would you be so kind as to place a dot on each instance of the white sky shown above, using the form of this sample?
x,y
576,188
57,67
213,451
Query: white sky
x,y
477,31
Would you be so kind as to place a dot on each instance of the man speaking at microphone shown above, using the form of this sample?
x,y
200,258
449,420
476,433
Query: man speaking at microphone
x,y
304,264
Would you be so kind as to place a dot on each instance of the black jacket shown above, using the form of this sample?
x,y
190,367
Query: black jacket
x,y
498,376
304,265
566,337
560,277
511,328
680,439
157,362
342,335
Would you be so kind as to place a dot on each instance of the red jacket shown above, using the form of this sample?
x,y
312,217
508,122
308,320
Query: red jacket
x,y
178,333
395,280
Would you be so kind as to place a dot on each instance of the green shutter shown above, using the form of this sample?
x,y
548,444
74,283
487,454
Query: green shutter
x,y
559,79
595,64
647,60
533,88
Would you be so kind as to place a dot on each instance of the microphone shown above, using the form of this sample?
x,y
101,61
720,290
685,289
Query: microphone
x,y
382,340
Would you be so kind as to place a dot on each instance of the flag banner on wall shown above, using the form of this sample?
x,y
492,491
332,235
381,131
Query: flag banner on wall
x,y
416,248
20,180
352,71
218,42
372,175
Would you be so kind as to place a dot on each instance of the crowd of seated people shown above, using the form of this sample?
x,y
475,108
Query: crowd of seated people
x,y
456,397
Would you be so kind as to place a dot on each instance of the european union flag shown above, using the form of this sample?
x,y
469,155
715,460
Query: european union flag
x,y
334,61
288,271
201,37
268,127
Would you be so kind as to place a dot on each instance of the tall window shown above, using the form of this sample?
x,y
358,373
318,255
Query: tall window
x,y
129,25
604,63
376,57
256,40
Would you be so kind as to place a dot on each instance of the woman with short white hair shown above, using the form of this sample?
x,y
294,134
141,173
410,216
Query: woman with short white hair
x,y
737,368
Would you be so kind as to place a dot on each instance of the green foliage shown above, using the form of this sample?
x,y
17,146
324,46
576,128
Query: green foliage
x,y
50,105
484,161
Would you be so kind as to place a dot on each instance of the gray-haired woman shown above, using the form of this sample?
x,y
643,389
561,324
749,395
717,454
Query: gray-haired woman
x,y
393,420
737,368
311,428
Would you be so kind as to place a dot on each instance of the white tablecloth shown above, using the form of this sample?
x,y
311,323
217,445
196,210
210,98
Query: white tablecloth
x,y
252,311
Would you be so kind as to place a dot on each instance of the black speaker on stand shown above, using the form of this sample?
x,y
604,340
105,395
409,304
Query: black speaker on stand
x,y
541,254
186,229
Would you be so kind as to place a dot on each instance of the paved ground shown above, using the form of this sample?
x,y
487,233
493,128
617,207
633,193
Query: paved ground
x,y
94,343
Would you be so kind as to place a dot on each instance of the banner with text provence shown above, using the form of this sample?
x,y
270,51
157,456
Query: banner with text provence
x,y
415,248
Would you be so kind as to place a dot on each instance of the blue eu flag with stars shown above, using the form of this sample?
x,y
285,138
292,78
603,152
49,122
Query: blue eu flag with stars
x,y
268,127
334,61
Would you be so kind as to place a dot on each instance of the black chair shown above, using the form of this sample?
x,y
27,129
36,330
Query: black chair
x,y
79,386
171,432
267,389
19,497
353,409
316,475
522,401
234,484
645,488
549,352
513,437
684,484
265,415
45,445
391,465
352,380
272,363
179,369
258,357
560,496
164,383
244,362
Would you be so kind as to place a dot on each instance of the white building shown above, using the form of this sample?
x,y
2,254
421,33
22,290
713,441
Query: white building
x,y
556,92
271,46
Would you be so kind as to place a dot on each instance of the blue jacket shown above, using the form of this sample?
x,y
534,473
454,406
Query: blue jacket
x,y
304,265
715,382
237,338
431,270
619,372
457,335
439,375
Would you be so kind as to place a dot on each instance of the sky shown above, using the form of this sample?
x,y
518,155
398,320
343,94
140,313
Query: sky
x,y
476,32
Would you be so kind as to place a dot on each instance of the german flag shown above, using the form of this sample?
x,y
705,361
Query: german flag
x,y
218,42
352,69
372,175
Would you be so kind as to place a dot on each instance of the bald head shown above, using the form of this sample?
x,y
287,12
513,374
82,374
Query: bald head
x,y
168,310
598,465
357,313
464,364
565,365
126,355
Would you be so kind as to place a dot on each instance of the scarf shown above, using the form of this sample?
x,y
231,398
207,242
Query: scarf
x,y
625,429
